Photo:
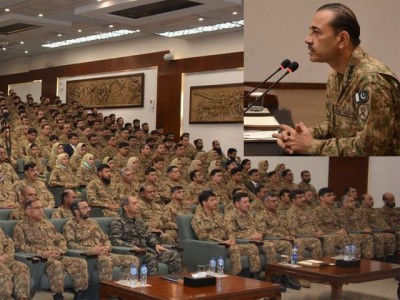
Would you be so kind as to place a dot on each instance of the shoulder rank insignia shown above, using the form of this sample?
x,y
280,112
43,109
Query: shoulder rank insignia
x,y
362,97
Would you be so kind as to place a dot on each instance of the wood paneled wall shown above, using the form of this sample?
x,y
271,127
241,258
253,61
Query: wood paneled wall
x,y
169,81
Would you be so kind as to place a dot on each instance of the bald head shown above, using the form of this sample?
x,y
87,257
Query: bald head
x,y
389,200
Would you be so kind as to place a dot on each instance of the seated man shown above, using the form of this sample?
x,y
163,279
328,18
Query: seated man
x,y
209,225
8,198
85,234
130,230
101,192
27,193
31,178
64,211
14,274
36,235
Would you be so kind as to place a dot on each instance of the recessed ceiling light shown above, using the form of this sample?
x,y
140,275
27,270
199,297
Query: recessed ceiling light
x,y
4,48
90,38
26,51
21,42
201,19
40,15
59,34
111,25
7,10
79,30
201,29
235,13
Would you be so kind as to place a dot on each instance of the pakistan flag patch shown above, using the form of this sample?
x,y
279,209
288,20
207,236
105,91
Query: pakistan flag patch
x,y
362,97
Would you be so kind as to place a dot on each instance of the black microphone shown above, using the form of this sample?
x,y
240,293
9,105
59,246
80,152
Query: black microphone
x,y
290,69
284,64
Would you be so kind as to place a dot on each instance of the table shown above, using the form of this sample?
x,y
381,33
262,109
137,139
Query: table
x,y
369,270
230,287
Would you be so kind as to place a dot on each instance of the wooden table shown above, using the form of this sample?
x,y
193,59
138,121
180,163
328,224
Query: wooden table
x,y
369,270
230,287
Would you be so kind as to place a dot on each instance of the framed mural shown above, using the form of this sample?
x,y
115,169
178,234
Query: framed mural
x,y
108,92
216,104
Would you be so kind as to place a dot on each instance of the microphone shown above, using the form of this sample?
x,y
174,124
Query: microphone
x,y
290,69
284,64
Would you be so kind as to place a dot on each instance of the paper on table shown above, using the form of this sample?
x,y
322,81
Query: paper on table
x,y
269,121
127,283
260,135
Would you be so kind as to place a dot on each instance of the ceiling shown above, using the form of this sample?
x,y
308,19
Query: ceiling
x,y
23,31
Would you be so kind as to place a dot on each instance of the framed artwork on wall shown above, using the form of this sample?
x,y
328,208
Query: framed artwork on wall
x,y
216,104
108,92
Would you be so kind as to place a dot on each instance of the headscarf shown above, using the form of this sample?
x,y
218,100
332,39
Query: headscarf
x,y
213,166
85,161
78,150
28,150
194,164
130,162
175,161
59,164
54,152
201,154
261,166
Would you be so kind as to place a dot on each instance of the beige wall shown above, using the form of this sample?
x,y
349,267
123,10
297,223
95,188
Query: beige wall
x,y
275,30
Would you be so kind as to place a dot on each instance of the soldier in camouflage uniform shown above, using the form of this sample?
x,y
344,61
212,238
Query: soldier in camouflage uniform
x,y
87,170
384,238
121,158
127,186
362,236
9,173
242,225
27,193
35,235
237,183
173,179
111,149
258,204
31,178
391,215
151,213
310,203
196,186
219,189
274,184
305,185
363,95
172,210
14,274
85,234
8,198
284,202
327,220
209,225
301,223
62,174
64,211
93,146
101,192
272,225
288,184
130,230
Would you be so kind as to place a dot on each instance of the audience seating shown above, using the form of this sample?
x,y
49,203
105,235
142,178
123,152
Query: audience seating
x,y
196,252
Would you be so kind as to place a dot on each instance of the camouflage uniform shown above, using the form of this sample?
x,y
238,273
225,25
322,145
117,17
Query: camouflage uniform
x,y
151,213
308,187
242,226
327,219
9,173
194,191
363,110
301,223
108,151
385,243
135,232
75,161
283,208
120,161
257,206
85,175
365,242
86,234
41,236
63,177
125,189
13,273
222,195
391,216
166,186
289,186
45,196
95,150
62,213
17,213
8,198
274,188
213,228
171,211
102,195
272,225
